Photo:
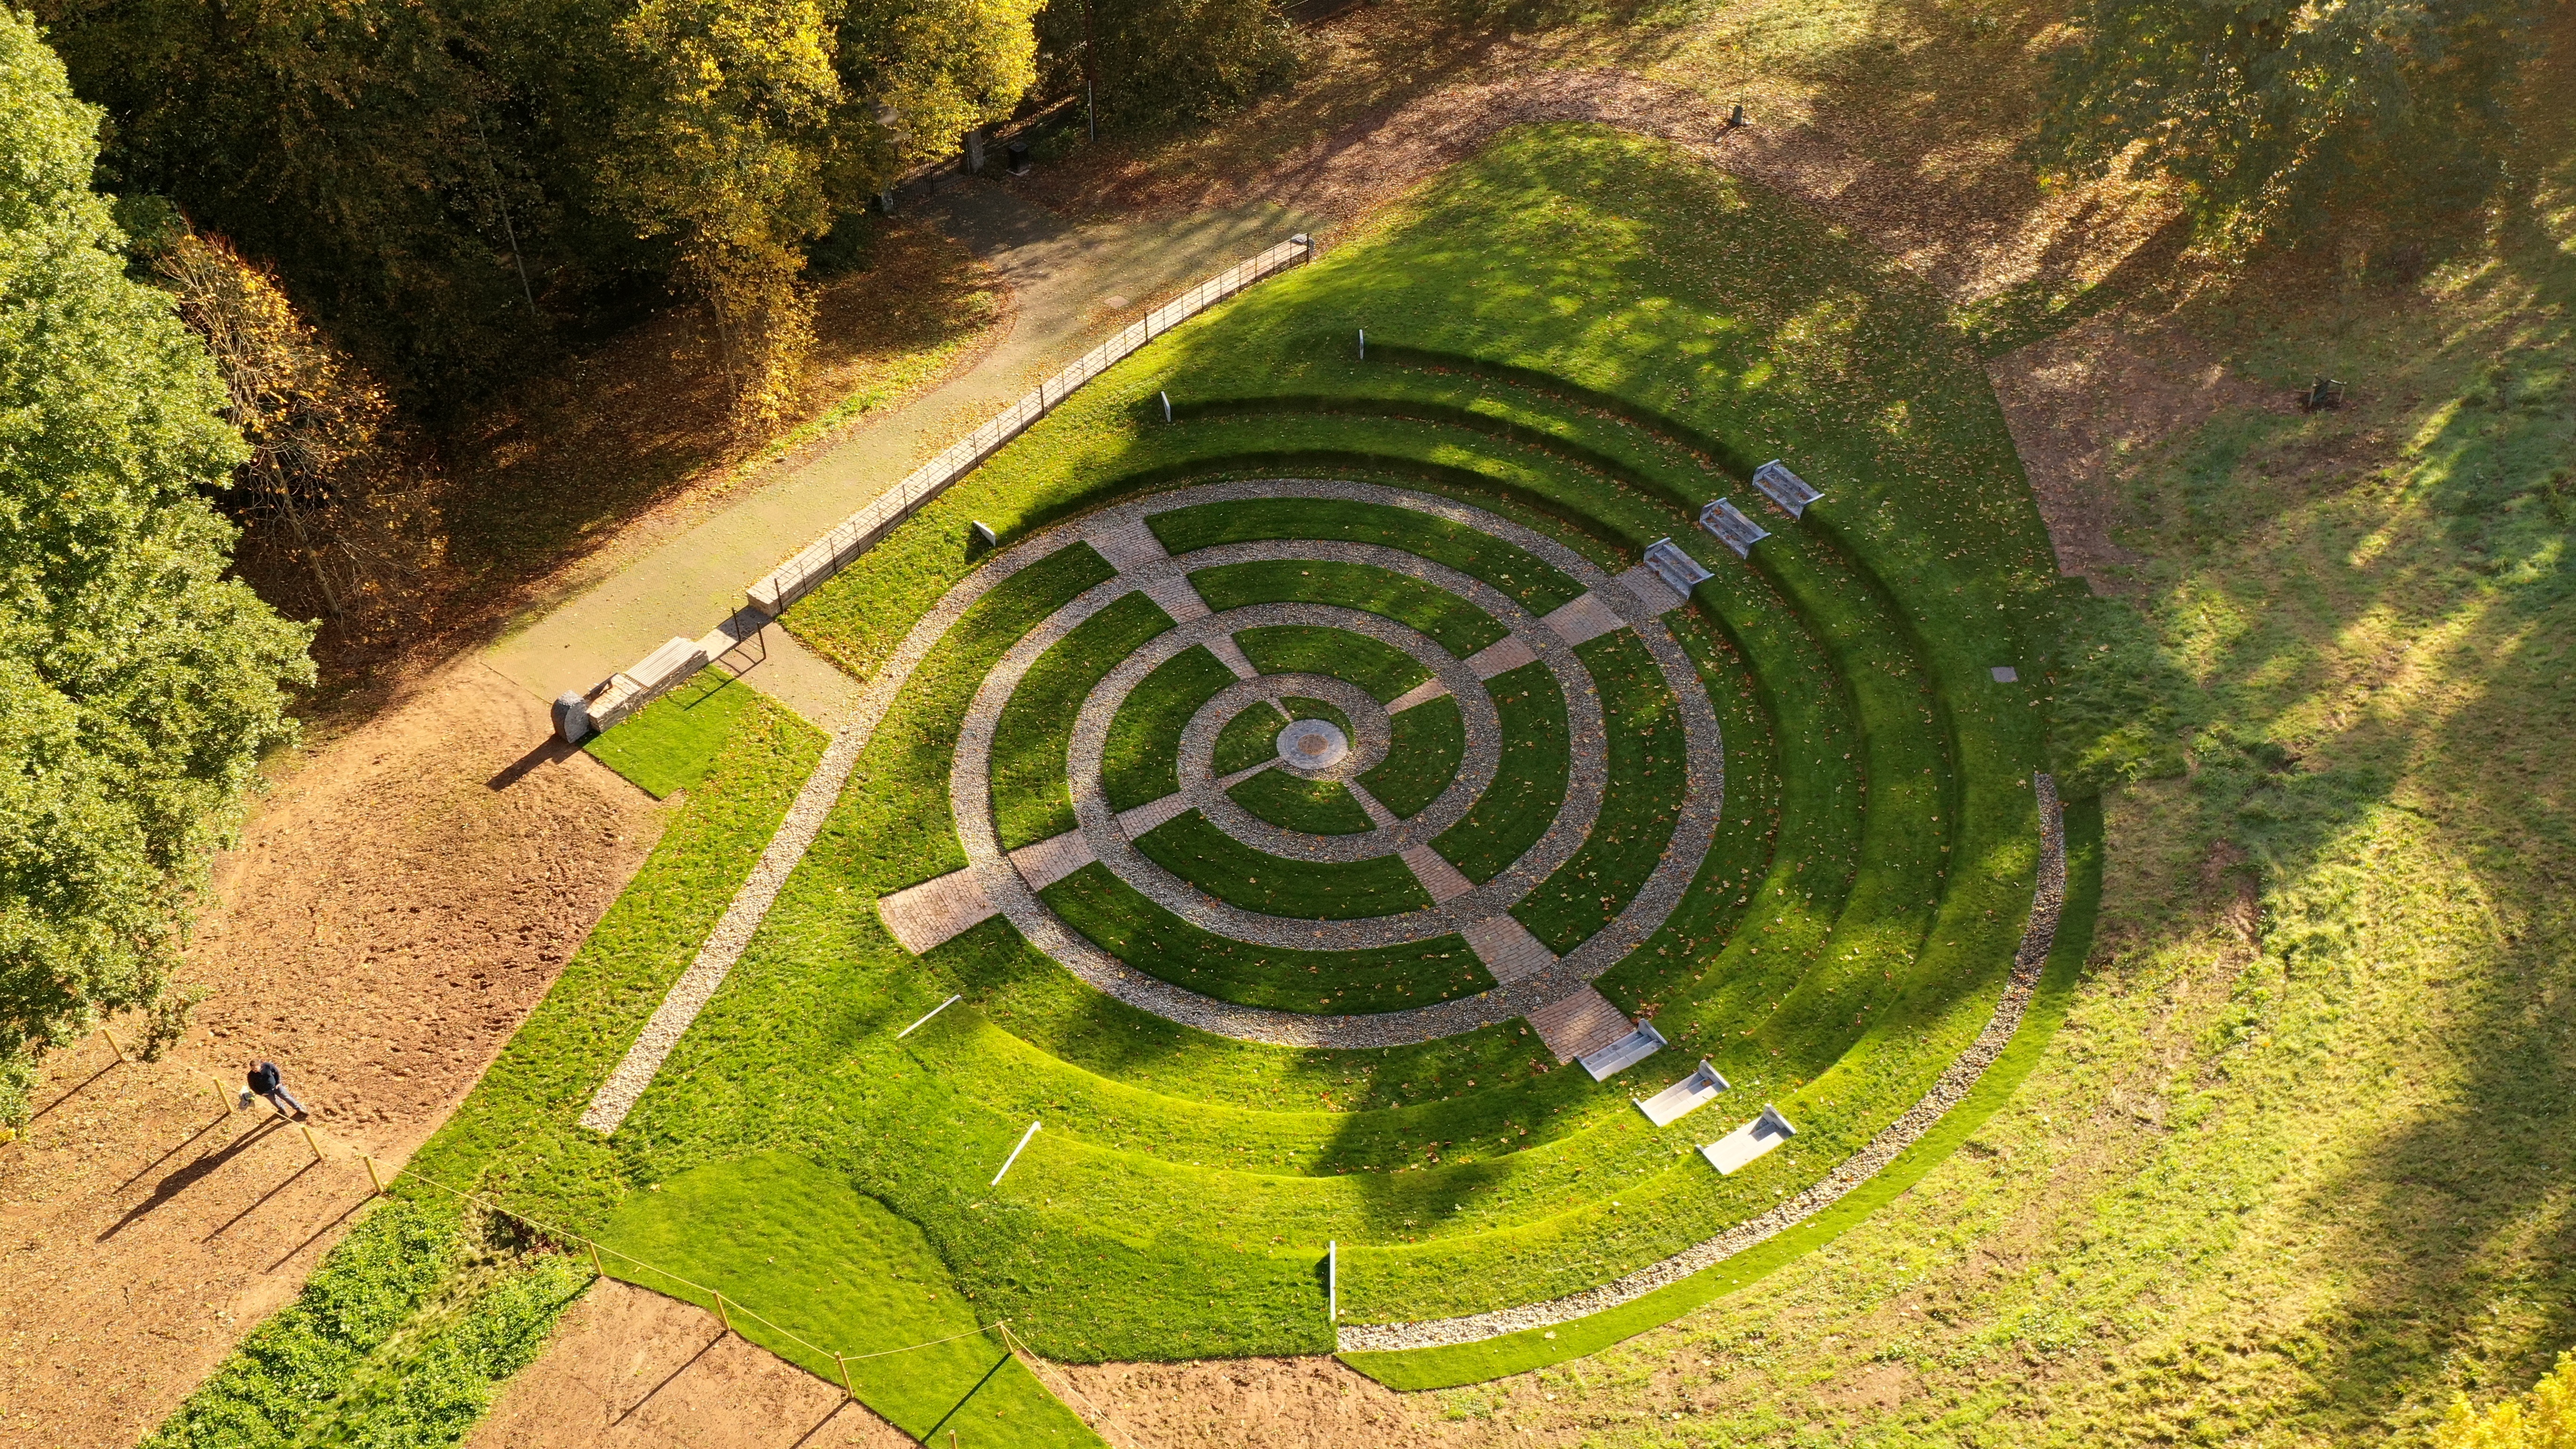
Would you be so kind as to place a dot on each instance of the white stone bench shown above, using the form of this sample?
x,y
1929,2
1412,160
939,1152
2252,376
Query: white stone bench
x,y
1730,525
1624,1053
1676,567
1785,488
1739,1147
1684,1097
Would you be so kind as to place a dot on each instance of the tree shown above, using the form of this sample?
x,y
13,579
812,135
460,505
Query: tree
x,y
726,144
1160,62
331,481
2282,117
138,686
750,124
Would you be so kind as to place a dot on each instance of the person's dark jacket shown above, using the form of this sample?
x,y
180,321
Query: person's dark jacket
x,y
264,1078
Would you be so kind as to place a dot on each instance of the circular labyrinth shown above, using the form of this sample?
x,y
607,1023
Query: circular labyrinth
x,y
1332,732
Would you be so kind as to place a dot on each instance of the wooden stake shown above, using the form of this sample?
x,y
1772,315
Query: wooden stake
x,y
597,1266
111,1042
846,1386
371,1174
721,1316
309,1142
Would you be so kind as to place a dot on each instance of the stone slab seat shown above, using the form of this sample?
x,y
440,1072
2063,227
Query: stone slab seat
x,y
1684,1097
1785,488
1728,522
651,677
1679,571
1733,1151
1609,1061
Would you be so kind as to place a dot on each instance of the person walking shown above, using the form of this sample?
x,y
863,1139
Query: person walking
x,y
267,1081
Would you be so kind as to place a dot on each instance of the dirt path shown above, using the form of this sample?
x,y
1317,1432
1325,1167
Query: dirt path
x,y
398,904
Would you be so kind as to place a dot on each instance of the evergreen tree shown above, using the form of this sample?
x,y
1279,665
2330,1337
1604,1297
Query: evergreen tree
x,y
138,686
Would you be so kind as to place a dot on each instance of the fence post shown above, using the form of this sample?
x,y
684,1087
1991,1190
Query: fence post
x,y
377,1182
846,1386
721,1316
223,1093
111,1042
596,1266
309,1142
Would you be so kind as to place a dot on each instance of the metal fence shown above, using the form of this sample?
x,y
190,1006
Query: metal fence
x,y
862,530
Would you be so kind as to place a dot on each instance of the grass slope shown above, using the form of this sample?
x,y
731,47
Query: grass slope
x,y
1452,622
1155,941
1314,890
1319,807
837,1270
1138,762
1425,746
1031,800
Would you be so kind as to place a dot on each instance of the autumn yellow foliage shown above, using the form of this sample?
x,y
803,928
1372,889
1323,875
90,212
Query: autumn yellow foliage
x,y
2545,1418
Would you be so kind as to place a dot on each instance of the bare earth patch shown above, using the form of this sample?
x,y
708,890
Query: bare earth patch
x,y
2084,404
399,903
631,1367
1286,1403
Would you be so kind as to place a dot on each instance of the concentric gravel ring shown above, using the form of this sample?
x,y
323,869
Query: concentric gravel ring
x,y
1004,886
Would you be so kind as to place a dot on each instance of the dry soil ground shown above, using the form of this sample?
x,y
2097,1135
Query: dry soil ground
x,y
399,902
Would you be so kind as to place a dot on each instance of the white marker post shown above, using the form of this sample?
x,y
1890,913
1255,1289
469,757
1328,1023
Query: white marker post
x,y
1167,405
927,1015
1332,1281
1015,1155
1363,344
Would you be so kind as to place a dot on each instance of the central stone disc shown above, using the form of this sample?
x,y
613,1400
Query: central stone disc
x,y
1313,744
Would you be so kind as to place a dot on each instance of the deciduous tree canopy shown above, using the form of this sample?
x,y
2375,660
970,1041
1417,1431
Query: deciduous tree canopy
x,y
2280,116
138,685
448,186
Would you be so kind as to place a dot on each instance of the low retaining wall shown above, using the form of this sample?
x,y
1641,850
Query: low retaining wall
x,y
578,716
